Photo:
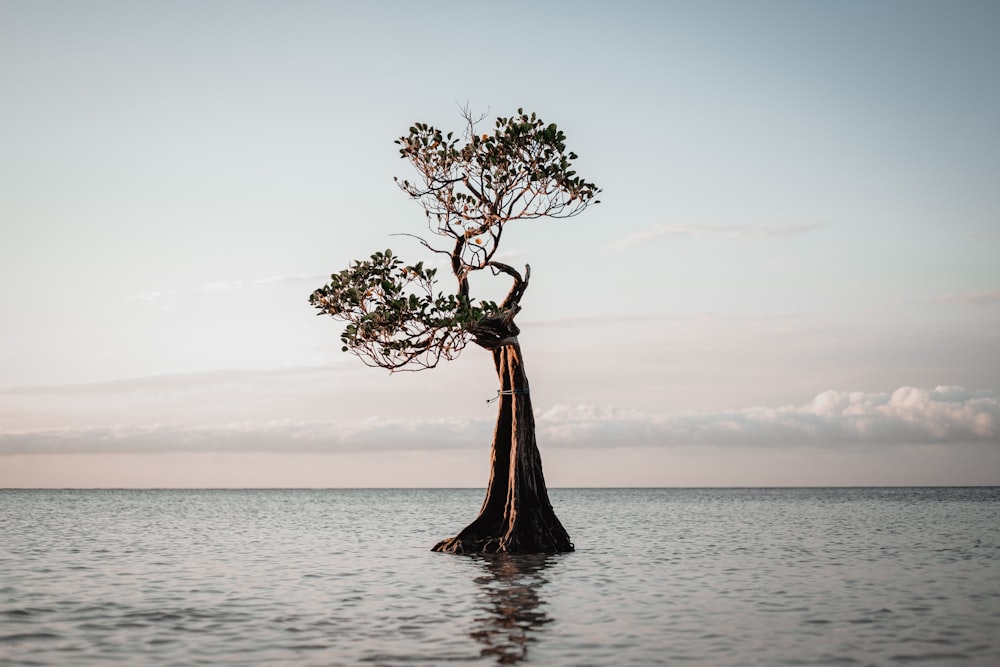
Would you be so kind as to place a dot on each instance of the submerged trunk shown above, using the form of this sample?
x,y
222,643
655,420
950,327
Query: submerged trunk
x,y
516,516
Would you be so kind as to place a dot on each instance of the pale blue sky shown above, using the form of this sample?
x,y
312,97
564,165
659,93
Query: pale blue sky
x,y
800,198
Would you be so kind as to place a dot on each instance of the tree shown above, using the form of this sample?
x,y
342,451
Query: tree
x,y
470,187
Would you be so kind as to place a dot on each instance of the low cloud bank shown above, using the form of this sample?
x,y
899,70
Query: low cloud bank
x,y
906,416
280,436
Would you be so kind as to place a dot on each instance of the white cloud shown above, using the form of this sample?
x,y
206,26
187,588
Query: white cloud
x,y
277,436
738,232
744,321
222,287
977,297
175,383
908,415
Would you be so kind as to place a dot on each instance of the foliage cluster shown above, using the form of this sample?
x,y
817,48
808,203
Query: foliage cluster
x,y
470,187
395,319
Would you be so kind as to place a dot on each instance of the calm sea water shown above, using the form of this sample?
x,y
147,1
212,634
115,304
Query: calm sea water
x,y
345,577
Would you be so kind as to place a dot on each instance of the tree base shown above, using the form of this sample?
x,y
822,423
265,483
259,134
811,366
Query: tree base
x,y
538,533
495,545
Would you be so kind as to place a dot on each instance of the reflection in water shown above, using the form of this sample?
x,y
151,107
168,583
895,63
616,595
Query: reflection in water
x,y
515,611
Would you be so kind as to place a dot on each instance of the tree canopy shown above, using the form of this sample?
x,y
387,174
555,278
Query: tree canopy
x,y
470,186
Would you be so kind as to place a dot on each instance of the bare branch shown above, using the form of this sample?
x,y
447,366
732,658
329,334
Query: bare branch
x,y
422,242
517,290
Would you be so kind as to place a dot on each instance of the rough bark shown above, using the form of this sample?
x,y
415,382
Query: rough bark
x,y
516,516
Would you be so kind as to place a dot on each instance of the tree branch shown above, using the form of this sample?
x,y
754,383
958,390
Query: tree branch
x,y
517,290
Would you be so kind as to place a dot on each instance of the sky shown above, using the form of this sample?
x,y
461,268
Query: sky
x,y
792,278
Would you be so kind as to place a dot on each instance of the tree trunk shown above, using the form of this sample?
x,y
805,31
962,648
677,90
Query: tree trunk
x,y
516,516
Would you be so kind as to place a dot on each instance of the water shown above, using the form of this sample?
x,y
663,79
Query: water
x,y
345,577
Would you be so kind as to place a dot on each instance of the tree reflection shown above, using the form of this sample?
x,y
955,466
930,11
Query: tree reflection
x,y
515,613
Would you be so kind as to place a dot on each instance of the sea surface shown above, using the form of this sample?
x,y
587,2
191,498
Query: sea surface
x,y
873,576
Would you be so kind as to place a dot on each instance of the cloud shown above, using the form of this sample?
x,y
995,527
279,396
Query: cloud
x,y
907,416
728,320
375,434
195,382
737,232
222,287
977,298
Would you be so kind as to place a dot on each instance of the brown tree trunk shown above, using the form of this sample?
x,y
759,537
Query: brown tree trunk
x,y
516,516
